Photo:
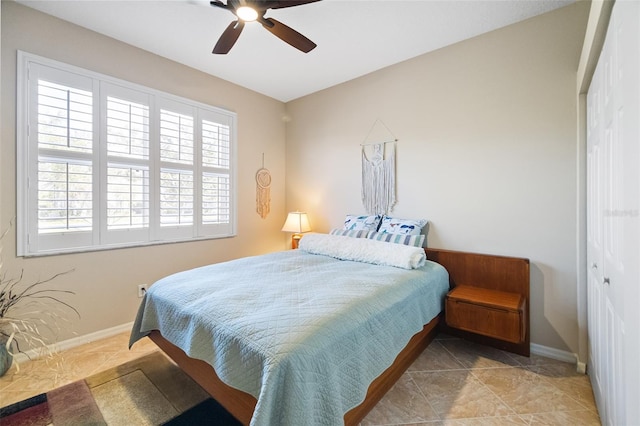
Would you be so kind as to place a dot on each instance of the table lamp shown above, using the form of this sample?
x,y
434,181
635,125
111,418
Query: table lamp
x,y
297,222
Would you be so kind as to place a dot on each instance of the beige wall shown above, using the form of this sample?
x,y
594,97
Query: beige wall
x,y
106,282
486,151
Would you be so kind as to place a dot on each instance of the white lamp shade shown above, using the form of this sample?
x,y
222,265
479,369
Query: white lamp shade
x,y
297,222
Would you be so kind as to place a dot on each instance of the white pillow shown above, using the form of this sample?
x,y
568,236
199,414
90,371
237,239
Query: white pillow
x,y
394,225
364,250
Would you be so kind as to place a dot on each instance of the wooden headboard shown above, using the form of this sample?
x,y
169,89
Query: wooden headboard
x,y
510,274
484,270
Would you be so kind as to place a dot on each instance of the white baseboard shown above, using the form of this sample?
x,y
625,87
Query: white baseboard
x,y
72,343
581,367
559,355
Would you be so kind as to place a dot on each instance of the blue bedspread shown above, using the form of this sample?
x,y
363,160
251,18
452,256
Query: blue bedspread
x,y
305,334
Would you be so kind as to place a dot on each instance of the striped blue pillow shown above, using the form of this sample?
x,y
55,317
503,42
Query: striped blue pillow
x,y
362,233
407,240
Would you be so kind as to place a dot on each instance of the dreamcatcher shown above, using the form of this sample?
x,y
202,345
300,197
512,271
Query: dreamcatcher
x,y
263,194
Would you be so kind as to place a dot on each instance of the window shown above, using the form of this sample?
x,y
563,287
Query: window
x,y
104,163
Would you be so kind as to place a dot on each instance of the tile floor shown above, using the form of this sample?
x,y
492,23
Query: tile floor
x,y
42,375
453,382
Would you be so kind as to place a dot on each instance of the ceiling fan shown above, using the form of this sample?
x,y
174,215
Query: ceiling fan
x,y
254,10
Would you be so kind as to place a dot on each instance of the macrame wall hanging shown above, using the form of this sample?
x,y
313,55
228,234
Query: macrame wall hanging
x,y
263,193
379,171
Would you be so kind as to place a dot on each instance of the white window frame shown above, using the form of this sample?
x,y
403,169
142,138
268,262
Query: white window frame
x,y
32,243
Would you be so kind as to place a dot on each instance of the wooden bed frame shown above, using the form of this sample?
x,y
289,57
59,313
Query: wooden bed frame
x,y
241,405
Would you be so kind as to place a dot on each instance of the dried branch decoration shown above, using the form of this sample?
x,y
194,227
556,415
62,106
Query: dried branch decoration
x,y
37,308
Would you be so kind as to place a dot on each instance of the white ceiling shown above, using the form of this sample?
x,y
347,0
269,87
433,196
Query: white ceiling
x,y
354,37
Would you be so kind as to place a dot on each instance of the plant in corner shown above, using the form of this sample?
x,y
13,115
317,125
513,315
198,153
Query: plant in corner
x,y
29,313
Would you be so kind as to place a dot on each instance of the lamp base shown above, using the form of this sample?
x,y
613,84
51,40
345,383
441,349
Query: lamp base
x,y
295,240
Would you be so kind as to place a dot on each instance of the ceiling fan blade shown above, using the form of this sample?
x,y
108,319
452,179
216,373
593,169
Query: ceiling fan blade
x,y
228,38
218,3
288,35
279,4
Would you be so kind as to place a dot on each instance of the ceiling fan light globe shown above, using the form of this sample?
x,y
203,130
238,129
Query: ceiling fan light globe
x,y
246,13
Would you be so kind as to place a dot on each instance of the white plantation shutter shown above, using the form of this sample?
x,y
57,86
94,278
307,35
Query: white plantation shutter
x,y
65,129
104,163
59,186
65,117
176,197
127,128
127,197
65,196
126,200
216,199
176,137
177,184
216,171
216,145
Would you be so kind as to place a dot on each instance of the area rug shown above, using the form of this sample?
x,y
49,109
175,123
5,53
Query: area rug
x,y
147,391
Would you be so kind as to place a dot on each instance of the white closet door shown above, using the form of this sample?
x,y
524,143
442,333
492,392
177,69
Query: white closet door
x,y
628,226
595,257
613,235
612,281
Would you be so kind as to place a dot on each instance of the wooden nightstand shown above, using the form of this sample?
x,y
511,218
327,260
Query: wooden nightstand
x,y
489,298
492,313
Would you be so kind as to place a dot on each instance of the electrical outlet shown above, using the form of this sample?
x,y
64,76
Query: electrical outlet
x,y
142,289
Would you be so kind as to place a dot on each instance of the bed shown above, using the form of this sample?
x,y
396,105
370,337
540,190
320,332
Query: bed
x,y
310,336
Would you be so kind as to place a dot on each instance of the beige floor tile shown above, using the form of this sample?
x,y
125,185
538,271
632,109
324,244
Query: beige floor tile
x,y
77,365
122,357
525,391
557,369
458,394
404,403
23,386
486,421
41,375
431,423
564,377
534,360
473,355
108,345
142,346
445,336
435,358
562,418
35,381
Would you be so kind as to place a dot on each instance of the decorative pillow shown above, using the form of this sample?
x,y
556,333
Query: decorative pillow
x,y
364,250
406,239
358,223
362,233
393,225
